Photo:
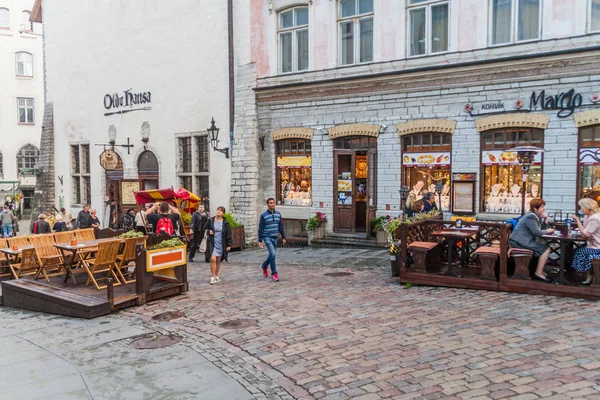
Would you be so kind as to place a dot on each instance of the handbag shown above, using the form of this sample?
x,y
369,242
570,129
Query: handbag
x,y
202,247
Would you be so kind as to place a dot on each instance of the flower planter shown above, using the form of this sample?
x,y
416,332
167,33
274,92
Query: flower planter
x,y
319,232
238,237
382,237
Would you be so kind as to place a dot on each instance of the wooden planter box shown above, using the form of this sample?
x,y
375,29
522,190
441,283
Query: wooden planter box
x,y
238,238
382,237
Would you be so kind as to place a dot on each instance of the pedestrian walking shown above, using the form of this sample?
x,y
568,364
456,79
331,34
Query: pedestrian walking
x,y
6,217
270,227
590,230
198,227
67,218
164,222
41,226
84,219
218,242
59,225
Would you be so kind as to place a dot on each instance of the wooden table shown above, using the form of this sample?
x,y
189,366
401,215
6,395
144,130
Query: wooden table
x,y
452,236
12,257
564,240
87,247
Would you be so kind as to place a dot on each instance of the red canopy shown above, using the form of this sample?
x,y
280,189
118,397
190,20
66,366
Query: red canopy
x,y
152,196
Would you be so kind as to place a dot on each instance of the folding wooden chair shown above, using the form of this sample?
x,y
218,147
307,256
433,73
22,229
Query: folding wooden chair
x,y
3,261
63,237
48,257
83,235
128,256
18,241
27,266
105,261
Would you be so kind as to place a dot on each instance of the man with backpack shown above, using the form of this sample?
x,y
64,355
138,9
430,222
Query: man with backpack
x,y
164,222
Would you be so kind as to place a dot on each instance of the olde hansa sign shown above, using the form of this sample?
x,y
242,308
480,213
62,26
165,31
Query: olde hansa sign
x,y
128,99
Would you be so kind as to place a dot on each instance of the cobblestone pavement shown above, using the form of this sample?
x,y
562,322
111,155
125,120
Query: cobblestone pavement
x,y
364,336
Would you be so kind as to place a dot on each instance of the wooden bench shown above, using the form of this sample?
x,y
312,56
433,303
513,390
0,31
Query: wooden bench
x,y
488,256
522,258
420,251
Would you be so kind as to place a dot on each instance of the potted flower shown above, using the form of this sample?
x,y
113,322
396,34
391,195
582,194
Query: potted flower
x,y
316,225
379,224
238,234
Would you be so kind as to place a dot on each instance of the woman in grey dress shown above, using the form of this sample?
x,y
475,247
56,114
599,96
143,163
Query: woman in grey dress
x,y
218,243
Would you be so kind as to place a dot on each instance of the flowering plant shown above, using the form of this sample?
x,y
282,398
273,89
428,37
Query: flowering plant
x,y
316,221
379,223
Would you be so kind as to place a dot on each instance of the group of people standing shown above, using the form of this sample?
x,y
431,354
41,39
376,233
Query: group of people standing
x,y
534,224
63,220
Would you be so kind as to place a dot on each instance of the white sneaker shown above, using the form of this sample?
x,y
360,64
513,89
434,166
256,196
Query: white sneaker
x,y
212,280
218,279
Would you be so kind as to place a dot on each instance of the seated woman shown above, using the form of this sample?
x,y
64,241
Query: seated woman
x,y
582,260
527,235
416,208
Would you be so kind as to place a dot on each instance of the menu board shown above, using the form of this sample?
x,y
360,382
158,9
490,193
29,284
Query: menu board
x,y
425,159
501,157
463,197
128,189
589,156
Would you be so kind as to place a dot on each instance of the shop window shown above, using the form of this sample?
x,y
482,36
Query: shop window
x,y
594,16
293,40
24,64
502,179
515,20
294,172
356,31
425,161
428,27
589,162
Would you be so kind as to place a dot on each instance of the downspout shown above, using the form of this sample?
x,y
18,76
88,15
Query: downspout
x,y
231,74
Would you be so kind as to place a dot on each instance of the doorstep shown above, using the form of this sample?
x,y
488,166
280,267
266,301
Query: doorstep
x,y
338,241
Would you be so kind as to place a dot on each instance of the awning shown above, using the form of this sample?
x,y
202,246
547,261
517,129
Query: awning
x,y
189,199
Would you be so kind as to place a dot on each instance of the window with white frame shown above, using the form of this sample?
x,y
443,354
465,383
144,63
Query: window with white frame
x,y
27,157
26,24
428,26
194,162
594,16
356,31
4,18
80,174
24,64
293,40
26,110
515,20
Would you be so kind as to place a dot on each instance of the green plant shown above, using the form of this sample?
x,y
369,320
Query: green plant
x,y
379,223
233,222
131,234
186,217
167,244
394,224
315,221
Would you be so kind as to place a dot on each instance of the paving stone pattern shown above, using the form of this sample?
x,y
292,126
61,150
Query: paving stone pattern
x,y
364,336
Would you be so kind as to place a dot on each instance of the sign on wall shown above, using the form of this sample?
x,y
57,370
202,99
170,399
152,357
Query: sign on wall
x,y
128,99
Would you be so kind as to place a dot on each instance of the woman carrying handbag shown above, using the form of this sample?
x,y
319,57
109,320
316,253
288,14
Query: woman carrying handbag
x,y
198,225
218,242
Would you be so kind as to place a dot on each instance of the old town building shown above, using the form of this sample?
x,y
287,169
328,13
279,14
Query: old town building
x,y
355,98
21,100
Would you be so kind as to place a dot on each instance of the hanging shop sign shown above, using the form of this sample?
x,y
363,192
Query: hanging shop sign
x,y
500,157
565,102
589,156
294,162
128,99
426,159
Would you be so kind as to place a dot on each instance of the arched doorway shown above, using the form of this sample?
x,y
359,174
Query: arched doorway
x,y
113,167
148,170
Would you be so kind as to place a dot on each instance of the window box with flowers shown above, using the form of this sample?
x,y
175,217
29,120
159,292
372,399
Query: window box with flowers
x,y
316,225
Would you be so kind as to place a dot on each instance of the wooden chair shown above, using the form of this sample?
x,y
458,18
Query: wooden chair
x,y
28,265
105,261
63,237
522,258
128,256
420,251
488,256
49,258
3,261
83,235
18,241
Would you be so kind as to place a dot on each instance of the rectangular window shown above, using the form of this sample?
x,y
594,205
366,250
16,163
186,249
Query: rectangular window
x,y
85,158
24,64
80,174
202,189
293,40
185,154
294,172
185,182
87,189
356,31
26,106
595,16
515,20
76,193
202,151
428,27
194,164
75,159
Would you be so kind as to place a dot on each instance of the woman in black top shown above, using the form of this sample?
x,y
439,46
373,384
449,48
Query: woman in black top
x,y
198,226
94,220
218,242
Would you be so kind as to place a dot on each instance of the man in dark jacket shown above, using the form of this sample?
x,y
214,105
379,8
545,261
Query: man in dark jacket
x,y
41,226
84,219
198,227
429,202
270,227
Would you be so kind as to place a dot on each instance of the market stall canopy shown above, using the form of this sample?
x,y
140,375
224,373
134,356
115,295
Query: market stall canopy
x,y
189,199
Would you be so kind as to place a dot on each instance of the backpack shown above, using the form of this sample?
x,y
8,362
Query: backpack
x,y
165,225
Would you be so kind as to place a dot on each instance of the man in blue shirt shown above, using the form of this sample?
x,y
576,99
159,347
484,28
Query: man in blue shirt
x,y
270,227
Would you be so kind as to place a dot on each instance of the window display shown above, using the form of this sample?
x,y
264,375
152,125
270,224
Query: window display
x,y
502,182
425,161
294,173
589,162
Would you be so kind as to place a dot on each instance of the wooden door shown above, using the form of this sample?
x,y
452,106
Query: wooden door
x,y
371,189
343,184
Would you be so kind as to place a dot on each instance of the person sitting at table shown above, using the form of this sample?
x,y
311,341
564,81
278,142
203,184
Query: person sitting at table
x,y
528,235
590,230
416,208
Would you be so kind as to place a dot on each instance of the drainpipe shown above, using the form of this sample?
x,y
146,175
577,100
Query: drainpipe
x,y
231,73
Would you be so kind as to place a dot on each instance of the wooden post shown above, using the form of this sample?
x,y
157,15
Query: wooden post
x,y
140,274
110,292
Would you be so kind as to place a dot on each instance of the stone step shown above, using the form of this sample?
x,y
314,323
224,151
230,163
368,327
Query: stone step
x,y
345,242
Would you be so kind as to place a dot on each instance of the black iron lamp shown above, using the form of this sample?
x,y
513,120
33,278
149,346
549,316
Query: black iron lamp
x,y
439,186
213,134
403,196
525,155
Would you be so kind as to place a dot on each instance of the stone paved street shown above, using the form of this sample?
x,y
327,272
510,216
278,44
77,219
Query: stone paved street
x,y
364,336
